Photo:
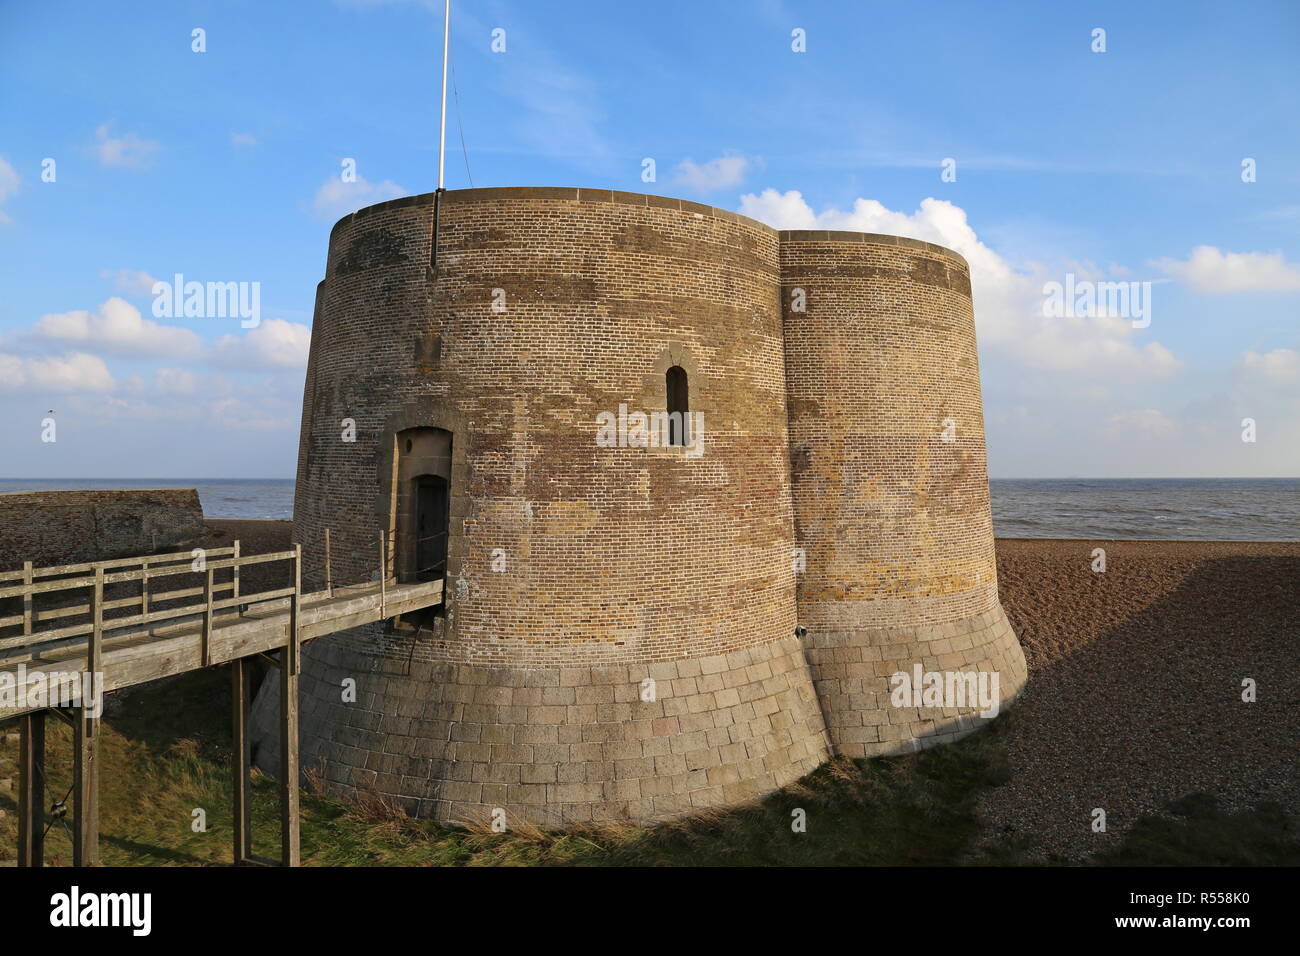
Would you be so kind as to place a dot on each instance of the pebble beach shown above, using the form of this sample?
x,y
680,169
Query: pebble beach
x,y
1135,680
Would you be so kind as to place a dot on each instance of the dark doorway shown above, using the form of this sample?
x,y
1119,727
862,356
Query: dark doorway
x,y
432,517
422,513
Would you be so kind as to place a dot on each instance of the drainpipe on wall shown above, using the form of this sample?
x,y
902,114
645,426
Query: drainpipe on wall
x,y
433,241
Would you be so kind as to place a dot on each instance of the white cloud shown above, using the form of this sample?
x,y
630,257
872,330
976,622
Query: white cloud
x,y
131,281
1091,345
181,396
275,343
937,221
127,150
239,414
117,328
335,198
1279,365
242,139
8,185
1211,271
77,372
786,210
720,173
1148,421
175,381
1008,302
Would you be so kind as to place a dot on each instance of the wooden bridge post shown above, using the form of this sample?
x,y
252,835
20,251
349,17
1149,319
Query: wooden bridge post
x,y
290,663
241,688
31,763
95,648
85,785
329,574
383,572
27,598
234,580
85,740
144,586
206,646
31,789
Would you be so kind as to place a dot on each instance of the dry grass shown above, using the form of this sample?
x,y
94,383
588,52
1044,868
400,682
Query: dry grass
x,y
917,809
167,752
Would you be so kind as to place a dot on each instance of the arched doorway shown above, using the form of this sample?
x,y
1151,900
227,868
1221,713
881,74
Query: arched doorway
x,y
422,505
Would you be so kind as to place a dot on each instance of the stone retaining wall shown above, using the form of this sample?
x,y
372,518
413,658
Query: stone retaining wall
x,y
70,527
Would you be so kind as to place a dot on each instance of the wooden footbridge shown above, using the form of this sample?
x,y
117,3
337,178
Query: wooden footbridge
x,y
100,643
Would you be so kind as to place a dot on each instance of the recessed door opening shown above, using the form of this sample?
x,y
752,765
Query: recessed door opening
x,y
432,515
422,525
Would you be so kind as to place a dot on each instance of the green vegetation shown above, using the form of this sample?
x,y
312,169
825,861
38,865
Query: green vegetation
x,y
167,753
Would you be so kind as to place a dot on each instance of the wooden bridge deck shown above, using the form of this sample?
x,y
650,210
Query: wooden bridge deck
x,y
150,636
136,655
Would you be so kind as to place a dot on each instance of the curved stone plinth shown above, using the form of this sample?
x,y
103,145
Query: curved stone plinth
x,y
559,745
871,713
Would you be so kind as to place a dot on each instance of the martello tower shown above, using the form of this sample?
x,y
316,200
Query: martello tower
x,y
631,632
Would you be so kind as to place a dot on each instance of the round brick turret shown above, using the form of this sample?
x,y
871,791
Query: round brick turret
x,y
622,636
618,636
890,486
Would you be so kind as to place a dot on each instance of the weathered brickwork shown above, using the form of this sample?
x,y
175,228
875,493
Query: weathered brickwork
x,y
890,485
574,571
612,554
52,528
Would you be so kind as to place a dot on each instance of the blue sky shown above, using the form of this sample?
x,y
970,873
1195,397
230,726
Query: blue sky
x,y
1123,165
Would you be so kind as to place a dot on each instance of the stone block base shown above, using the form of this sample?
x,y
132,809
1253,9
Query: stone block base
x,y
852,670
553,746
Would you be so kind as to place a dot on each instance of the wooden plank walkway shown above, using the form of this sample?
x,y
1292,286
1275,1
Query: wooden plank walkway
x,y
135,655
73,665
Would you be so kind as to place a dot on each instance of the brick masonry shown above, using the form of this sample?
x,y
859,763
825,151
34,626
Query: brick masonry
x,y
52,528
575,571
890,484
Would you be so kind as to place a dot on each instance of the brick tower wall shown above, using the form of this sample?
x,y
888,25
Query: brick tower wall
x,y
575,572
890,483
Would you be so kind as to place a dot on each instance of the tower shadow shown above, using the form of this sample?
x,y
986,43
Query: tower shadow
x,y
1135,693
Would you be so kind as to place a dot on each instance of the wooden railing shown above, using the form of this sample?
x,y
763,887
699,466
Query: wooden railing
x,y
95,576
109,608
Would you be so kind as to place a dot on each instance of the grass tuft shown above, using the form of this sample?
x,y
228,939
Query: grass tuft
x,y
166,752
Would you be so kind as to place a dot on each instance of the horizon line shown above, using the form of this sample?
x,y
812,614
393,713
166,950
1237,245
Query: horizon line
x,y
999,478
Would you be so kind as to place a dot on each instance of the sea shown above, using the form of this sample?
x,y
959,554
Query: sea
x,y
1186,509
1206,509
221,497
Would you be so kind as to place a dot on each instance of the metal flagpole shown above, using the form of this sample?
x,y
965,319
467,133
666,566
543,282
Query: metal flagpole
x,y
442,129
442,136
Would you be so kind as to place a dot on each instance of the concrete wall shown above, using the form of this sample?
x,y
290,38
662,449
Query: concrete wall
x,y
890,481
69,527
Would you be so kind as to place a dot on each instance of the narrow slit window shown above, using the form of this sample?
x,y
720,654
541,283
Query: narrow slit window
x,y
679,416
